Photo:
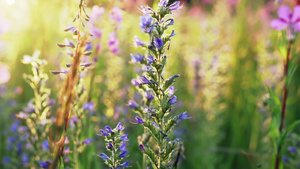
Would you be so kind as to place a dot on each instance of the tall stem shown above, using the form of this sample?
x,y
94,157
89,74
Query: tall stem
x,y
285,92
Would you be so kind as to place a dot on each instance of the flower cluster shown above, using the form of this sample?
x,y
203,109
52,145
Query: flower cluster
x,y
159,93
116,145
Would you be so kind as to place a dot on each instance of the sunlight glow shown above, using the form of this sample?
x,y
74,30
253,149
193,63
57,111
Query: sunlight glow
x,y
10,2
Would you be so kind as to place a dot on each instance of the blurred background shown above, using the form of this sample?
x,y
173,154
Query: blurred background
x,y
225,51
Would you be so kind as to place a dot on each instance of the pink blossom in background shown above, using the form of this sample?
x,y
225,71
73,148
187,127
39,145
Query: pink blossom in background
x,y
4,26
4,74
116,15
96,13
113,43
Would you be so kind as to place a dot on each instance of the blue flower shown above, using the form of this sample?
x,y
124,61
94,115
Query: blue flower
x,y
88,141
123,146
88,106
108,129
163,2
174,6
136,58
145,23
173,100
109,145
44,164
285,159
155,125
25,159
139,120
169,22
138,42
104,156
150,60
183,116
119,127
144,80
88,47
133,104
149,96
142,147
158,43
124,137
103,133
46,145
173,33
6,160
292,149
171,90
123,154
126,164
135,82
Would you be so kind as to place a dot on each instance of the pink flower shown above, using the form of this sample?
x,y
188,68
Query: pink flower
x,y
96,13
113,43
116,15
4,74
287,20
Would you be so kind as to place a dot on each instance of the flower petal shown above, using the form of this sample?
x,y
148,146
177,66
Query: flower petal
x,y
297,26
296,14
284,13
278,24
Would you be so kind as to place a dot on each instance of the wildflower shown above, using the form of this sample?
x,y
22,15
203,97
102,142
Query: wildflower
x,y
147,10
113,43
46,145
96,13
158,43
183,116
288,20
124,137
139,120
173,100
109,145
172,34
285,159
163,2
149,96
123,154
6,160
4,74
142,147
97,33
116,15
104,156
171,90
108,129
103,133
119,127
135,82
88,106
44,164
144,80
126,164
136,58
145,23
174,6
123,146
132,104
150,60
88,141
138,42
292,149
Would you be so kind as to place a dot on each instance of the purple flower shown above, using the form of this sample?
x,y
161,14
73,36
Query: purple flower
x,y
163,2
155,125
292,149
88,141
285,159
136,58
103,132
174,6
46,145
288,20
139,120
116,15
96,32
108,129
104,156
171,90
158,43
147,10
25,159
113,43
44,164
88,106
126,164
123,146
183,116
109,145
124,137
145,23
173,33
135,82
150,60
138,42
6,160
96,13
142,147
119,127
149,96
144,80
173,100
133,104
123,154
169,22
